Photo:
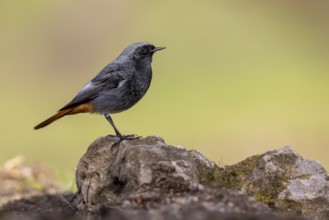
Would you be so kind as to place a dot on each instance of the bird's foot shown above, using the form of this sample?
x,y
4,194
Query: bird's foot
x,y
130,137
124,137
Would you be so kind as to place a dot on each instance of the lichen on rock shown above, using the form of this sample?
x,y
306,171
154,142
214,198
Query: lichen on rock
x,y
284,181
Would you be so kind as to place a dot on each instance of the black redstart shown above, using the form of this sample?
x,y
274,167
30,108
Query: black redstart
x,y
119,86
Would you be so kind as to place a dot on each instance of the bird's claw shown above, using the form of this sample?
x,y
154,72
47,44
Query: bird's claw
x,y
130,137
125,137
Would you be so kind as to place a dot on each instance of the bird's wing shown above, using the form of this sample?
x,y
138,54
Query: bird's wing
x,y
104,80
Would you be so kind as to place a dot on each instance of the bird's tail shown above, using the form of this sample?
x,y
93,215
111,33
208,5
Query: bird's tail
x,y
53,118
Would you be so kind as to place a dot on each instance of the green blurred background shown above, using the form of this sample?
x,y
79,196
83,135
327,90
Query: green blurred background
x,y
237,78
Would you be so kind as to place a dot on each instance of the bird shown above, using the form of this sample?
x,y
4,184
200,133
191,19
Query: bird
x,y
116,88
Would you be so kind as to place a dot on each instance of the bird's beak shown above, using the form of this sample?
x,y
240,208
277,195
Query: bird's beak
x,y
158,48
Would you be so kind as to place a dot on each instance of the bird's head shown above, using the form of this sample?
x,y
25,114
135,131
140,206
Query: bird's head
x,y
141,51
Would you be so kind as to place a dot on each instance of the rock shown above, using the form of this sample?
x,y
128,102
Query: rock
x,y
149,179
113,172
284,181
45,207
168,182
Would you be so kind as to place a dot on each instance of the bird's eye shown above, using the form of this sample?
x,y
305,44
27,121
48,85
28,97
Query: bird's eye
x,y
143,50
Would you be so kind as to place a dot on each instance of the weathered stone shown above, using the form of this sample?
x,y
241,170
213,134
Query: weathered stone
x,y
108,171
148,179
284,181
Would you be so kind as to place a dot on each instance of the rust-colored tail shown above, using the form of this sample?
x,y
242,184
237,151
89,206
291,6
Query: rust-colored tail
x,y
53,118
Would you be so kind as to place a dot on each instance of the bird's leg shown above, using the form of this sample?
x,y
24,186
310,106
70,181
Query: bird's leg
x,y
118,133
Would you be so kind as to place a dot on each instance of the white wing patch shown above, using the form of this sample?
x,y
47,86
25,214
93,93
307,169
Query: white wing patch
x,y
121,83
86,87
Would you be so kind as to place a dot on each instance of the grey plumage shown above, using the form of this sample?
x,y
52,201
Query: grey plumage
x,y
118,86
